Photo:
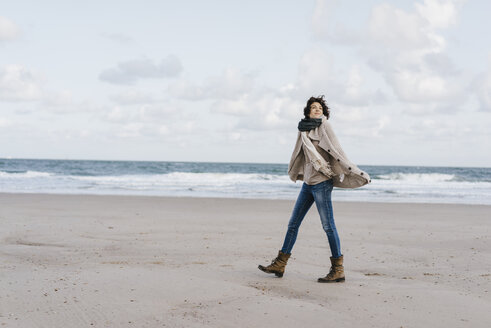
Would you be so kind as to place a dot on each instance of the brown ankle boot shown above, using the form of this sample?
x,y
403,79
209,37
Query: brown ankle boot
x,y
336,274
277,265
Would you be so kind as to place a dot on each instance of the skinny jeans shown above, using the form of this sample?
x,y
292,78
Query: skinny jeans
x,y
321,194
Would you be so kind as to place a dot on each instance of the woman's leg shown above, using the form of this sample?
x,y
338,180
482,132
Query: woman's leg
x,y
302,206
322,196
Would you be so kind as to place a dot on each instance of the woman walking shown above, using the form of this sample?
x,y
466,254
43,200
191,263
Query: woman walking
x,y
321,163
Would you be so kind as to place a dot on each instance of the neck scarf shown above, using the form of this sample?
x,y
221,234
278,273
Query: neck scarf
x,y
319,163
307,124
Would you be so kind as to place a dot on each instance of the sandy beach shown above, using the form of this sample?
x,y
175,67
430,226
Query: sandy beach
x,y
142,261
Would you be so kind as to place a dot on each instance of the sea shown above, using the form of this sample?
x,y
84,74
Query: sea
x,y
404,184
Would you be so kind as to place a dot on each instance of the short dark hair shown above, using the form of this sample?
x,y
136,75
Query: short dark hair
x,y
320,100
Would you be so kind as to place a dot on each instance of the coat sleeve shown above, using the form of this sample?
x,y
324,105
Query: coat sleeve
x,y
295,149
355,177
332,137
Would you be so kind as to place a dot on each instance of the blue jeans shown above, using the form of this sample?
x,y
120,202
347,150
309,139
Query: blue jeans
x,y
321,194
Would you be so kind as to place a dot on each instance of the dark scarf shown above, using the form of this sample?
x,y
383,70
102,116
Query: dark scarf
x,y
307,124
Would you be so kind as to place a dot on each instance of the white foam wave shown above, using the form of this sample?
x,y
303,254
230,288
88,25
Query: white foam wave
x,y
418,177
185,177
22,175
424,187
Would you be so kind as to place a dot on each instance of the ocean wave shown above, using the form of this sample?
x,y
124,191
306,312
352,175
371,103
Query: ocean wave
x,y
23,174
185,177
407,184
417,177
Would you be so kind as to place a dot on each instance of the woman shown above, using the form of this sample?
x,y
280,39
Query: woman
x,y
320,162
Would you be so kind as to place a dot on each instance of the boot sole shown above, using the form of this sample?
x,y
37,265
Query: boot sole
x,y
278,274
335,280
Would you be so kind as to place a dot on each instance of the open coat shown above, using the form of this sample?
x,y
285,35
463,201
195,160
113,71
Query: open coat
x,y
346,173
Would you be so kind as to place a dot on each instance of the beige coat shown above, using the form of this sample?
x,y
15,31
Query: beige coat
x,y
349,173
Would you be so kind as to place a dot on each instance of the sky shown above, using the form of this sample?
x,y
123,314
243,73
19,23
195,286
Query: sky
x,y
407,82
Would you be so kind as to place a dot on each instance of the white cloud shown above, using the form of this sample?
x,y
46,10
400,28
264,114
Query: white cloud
x,y
71,134
178,131
134,96
355,90
130,130
404,47
117,114
145,113
414,86
440,64
318,74
62,99
392,27
407,49
130,71
231,84
439,14
8,29
239,106
259,107
381,124
349,115
64,103
315,71
18,83
267,110
440,128
21,84
482,87
184,89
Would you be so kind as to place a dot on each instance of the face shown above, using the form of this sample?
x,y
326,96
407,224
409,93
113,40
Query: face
x,y
315,110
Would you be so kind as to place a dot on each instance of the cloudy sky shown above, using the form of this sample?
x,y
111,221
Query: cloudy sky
x,y
408,82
